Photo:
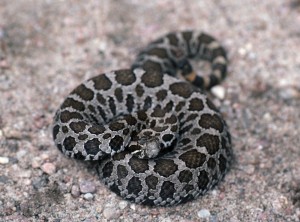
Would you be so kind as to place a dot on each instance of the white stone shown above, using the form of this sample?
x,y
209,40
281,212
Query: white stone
x,y
219,92
48,168
204,213
88,196
123,204
4,160
87,186
111,213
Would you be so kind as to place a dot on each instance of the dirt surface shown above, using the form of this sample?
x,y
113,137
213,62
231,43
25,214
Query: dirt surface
x,y
48,47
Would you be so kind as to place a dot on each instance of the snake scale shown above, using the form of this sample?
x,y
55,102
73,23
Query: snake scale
x,y
158,139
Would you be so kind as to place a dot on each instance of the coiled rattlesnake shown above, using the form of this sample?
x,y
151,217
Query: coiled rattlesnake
x,y
158,139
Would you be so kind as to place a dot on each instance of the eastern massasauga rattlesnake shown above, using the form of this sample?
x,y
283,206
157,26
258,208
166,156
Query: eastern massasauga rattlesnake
x,y
158,140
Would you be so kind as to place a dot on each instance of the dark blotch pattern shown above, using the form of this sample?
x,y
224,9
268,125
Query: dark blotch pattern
x,y
161,95
66,116
210,142
97,130
171,120
70,102
106,136
125,77
92,109
55,131
82,137
203,180
114,188
107,169
211,105
69,143
151,181
193,158
121,171
179,106
158,112
101,99
172,39
167,137
142,116
112,105
169,106
222,163
130,120
139,90
147,103
102,82
129,103
119,94
152,79
65,129
78,127
196,104
92,146
165,167
116,142
152,67
185,141
159,52
84,93
101,112
134,186
167,190
211,121
196,131
138,165
191,117
182,89
115,126
211,163
185,176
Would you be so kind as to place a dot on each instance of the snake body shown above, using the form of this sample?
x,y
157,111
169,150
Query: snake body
x,y
158,140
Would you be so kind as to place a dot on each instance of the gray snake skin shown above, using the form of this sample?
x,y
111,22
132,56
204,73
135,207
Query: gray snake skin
x,y
158,140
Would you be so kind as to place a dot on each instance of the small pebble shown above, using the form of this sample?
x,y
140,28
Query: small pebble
x,y
267,117
36,163
88,196
4,64
75,191
48,168
24,174
166,219
3,179
44,156
289,93
219,92
204,213
40,182
4,160
132,206
123,204
87,186
249,169
111,213
20,154
12,134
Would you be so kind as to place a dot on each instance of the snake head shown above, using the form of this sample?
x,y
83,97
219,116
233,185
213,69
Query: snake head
x,y
149,147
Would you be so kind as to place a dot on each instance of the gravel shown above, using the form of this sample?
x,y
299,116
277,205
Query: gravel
x,y
49,47
87,186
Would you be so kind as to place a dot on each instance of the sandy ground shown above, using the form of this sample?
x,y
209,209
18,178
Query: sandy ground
x,y
48,47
